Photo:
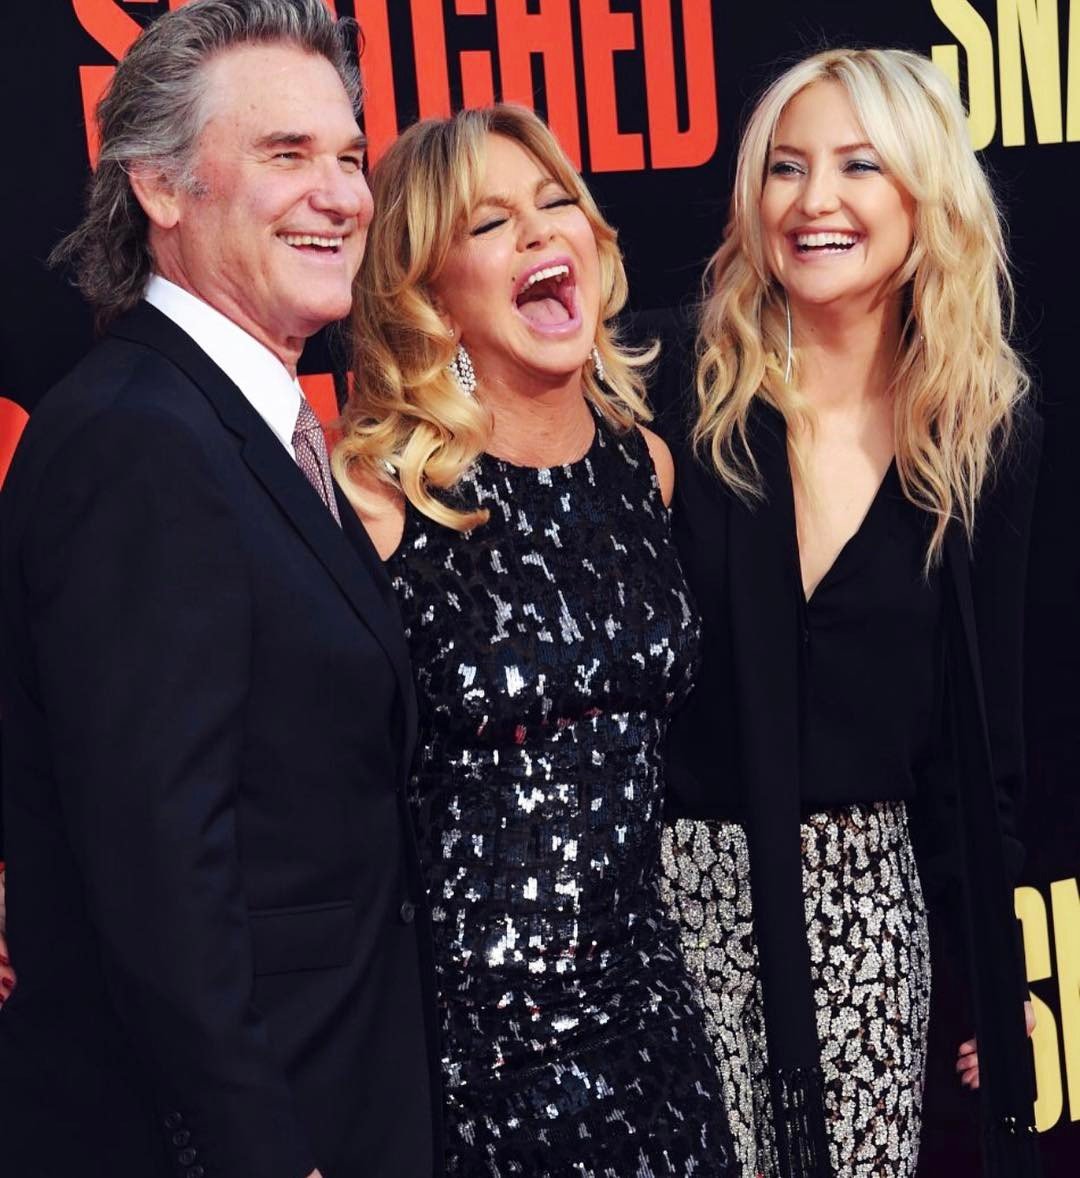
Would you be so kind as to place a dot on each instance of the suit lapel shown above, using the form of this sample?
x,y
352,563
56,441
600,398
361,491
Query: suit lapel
x,y
345,553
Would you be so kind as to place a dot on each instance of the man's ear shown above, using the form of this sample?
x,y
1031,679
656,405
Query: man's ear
x,y
158,196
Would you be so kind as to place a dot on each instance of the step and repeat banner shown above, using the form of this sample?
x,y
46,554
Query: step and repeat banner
x,y
647,97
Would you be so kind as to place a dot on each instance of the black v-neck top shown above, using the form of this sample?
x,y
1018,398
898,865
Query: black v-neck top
x,y
870,663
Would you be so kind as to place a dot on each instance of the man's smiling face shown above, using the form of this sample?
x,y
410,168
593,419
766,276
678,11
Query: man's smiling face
x,y
272,231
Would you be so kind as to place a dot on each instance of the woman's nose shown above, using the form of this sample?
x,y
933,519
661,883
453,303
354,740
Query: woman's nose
x,y
819,193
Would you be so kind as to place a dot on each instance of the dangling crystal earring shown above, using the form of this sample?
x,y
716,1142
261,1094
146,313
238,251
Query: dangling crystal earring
x,y
462,371
598,365
787,313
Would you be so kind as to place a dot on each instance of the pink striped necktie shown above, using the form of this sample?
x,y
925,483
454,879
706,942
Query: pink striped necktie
x,y
309,443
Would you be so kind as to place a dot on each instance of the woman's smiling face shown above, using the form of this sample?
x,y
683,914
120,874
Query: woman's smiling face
x,y
836,225
521,287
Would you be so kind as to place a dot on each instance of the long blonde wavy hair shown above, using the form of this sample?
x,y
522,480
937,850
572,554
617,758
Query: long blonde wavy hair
x,y
956,380
406,422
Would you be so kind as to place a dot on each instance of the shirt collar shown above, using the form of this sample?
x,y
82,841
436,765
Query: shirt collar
x,y
250,365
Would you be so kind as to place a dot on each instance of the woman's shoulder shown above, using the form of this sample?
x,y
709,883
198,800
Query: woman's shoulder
x,y
1026,434
381,508
1015,463
671,380
663,463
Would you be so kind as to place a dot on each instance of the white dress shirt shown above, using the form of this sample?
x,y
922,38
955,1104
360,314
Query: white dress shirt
x,y
250,365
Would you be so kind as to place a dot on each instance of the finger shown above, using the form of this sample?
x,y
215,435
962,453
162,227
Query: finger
x,y
968,1048
968,1063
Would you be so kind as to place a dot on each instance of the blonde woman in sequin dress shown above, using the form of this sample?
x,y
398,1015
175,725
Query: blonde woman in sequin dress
x,y
521,508
855,490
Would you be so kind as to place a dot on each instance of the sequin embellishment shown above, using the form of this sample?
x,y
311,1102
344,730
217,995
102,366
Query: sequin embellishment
x,y
870,962
549,645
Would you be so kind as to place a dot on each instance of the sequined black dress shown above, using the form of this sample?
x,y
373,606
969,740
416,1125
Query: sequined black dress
x,y
550,645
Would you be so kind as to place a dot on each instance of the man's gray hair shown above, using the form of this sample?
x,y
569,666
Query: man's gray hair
x,y
152,115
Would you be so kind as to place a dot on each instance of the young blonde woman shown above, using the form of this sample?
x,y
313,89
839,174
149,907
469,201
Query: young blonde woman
x,y
494,450
854,499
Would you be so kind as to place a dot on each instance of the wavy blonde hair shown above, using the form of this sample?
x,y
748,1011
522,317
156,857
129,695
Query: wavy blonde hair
x,y
406,423
956,381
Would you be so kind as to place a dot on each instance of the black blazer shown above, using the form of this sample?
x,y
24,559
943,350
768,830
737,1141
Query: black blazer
x,y
214,902
741,723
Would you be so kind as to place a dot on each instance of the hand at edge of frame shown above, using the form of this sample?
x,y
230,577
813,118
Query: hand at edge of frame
x,y
7,974
967,1057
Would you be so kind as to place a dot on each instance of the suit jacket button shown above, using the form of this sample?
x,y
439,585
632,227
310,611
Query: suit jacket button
x,y
186,1156
407,912
173,1120
181,1138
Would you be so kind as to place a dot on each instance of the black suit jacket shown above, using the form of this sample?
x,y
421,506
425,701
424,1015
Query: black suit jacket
x,y
214,904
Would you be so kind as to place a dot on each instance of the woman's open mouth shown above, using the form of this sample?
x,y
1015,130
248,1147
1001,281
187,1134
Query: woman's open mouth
x,y
828,242
547,297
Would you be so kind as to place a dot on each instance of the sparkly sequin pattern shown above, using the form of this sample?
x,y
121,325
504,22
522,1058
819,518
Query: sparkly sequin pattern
x,y
870,963
550,645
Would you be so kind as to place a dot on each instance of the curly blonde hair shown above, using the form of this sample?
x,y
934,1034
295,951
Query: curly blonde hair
x,y
956,381
406,423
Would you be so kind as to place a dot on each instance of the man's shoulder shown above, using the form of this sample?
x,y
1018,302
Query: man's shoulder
x,y
118,378
120,370
122,401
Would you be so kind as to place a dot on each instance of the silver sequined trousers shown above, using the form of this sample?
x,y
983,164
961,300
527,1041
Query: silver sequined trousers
x,y
870,961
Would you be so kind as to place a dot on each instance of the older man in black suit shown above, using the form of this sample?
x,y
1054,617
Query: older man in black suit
x,y
214,904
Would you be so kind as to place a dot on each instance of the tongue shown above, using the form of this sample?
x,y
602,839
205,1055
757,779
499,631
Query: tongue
x,y
544,312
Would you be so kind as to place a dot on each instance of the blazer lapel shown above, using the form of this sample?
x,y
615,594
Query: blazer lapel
x,y
764,586
764,593
345,553
763,582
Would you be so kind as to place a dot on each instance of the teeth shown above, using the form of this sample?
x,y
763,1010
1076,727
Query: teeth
x,y
816,240
311,239
561,271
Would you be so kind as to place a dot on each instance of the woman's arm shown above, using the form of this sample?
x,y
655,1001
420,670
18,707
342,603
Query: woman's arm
x,y
7,974
663,464
999,583
382,512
